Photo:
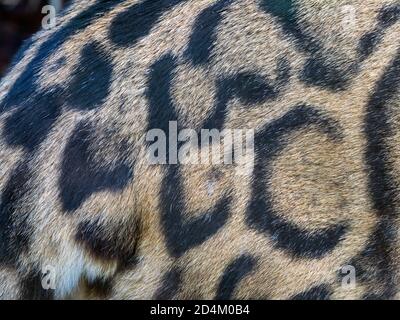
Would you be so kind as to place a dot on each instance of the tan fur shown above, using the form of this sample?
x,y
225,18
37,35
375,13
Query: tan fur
x,y
316,182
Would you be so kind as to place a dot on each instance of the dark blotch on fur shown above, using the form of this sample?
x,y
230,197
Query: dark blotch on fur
x,y
136,22
286,14
377,130
161,106
387,17
99,288
368,44
233,274
170,284
29,125
27,82
203,37
183,233
81,175
14,229
285,11
317,71
261,215
110,240
37,111
32,289
250,88
91,80
373,265
381,184
31,122
321,292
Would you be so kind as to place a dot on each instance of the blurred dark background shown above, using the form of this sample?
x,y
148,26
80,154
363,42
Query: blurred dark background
x,y
18,20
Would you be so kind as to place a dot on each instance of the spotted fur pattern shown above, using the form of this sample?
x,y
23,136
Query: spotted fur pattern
x,y
78,193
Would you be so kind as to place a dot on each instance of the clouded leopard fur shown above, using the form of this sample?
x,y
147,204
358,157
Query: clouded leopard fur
x,y
317,80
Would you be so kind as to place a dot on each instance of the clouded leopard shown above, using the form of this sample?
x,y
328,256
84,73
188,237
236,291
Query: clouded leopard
x,y
84,213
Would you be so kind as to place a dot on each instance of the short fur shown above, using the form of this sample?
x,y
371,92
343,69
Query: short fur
x,y
77,191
